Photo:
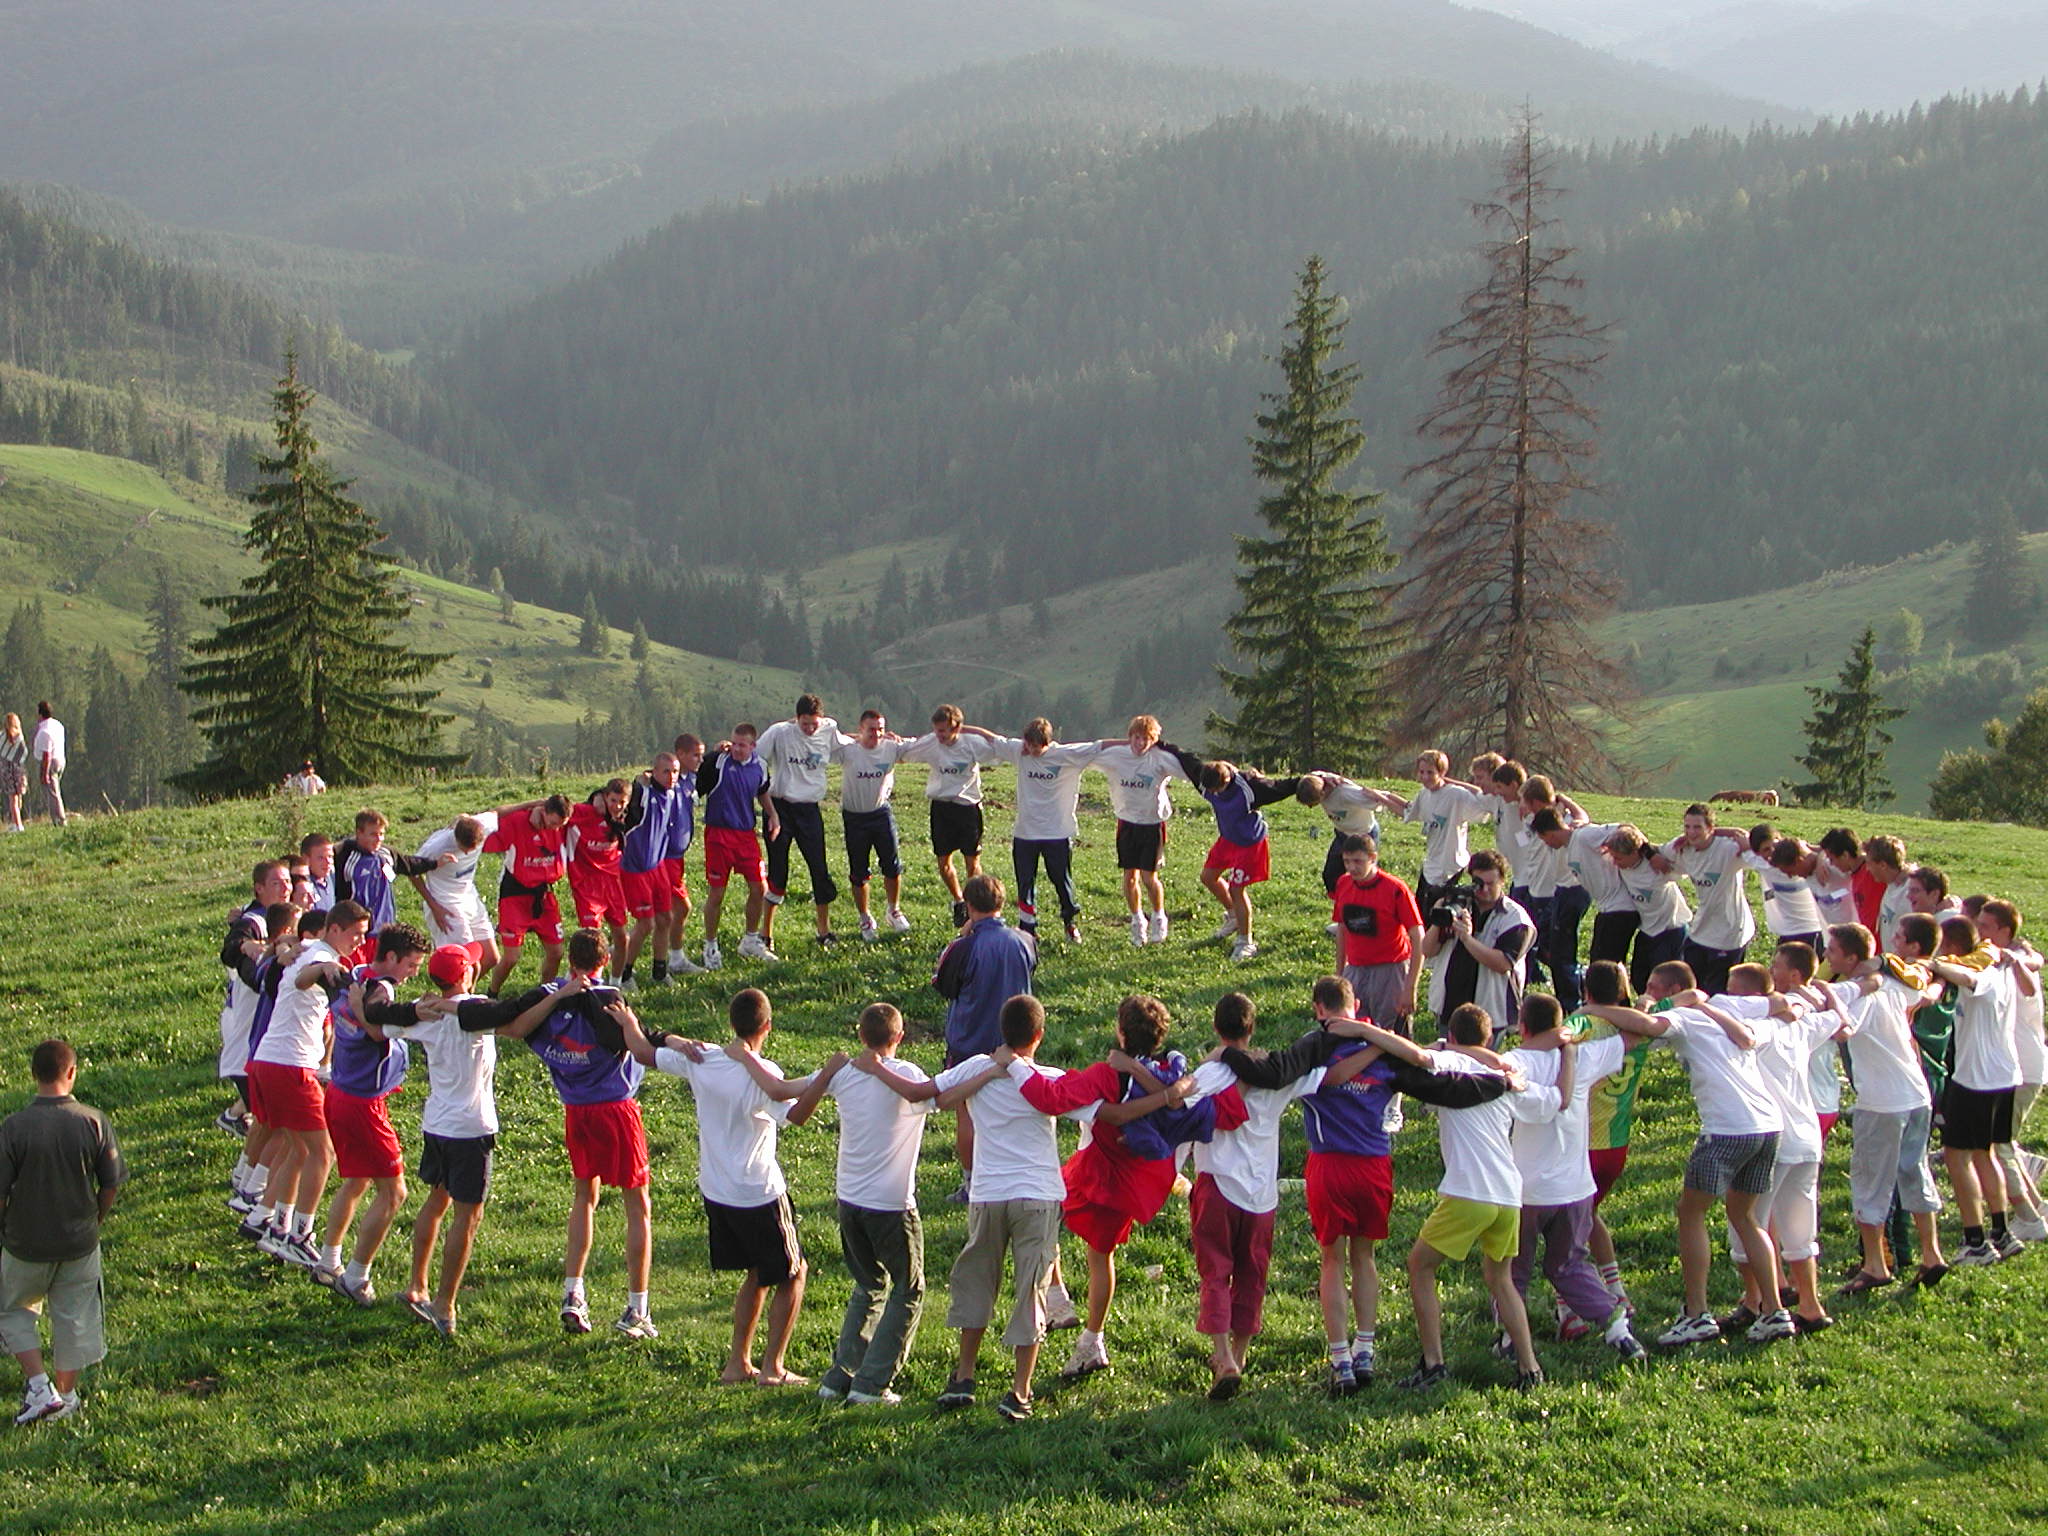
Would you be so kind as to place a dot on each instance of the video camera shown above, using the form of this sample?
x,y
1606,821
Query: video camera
x,y
1453,899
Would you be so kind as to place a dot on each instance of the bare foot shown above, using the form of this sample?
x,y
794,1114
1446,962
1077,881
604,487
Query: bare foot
x,y
730,1378
782,1378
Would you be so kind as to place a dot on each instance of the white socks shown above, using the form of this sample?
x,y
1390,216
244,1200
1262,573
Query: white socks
x,y
636,1303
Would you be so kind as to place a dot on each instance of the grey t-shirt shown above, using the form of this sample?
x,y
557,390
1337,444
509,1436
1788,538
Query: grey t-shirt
x,y
55,1158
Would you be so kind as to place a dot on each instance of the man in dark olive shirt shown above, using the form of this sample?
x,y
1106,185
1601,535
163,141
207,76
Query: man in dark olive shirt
x,y
59,1172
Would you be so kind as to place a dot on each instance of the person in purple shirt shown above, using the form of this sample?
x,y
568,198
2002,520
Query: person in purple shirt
x,y
733,784
651,813
1239,858
582,1043
364,867
986,965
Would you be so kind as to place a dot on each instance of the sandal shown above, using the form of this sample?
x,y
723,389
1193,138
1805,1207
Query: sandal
x,y
1862,1281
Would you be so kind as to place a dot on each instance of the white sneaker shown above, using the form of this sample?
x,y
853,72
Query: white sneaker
x,y
750,945
36,1406
898,923
1088,1357
1158,927
629,984
636,1325
2028,1229
1243,949
1226,928
869,933
1140,934
882,1399
1061,1314
680,964
765,953
712,958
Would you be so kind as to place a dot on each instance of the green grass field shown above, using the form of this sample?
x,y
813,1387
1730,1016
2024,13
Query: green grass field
x,y
241,1397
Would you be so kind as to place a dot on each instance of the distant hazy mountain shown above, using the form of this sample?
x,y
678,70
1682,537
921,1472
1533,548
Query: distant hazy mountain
x,y
1820,55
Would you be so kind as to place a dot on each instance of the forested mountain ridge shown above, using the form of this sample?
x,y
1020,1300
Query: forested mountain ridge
x,y
1823,346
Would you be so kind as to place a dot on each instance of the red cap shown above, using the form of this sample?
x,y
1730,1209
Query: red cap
x,y
450,965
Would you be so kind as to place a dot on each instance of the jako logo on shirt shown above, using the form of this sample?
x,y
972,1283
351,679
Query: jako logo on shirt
x,y
1042,775
871,773
1137,781
1436,824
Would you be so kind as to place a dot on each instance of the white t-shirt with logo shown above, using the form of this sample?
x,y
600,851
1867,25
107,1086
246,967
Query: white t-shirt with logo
x,y
1476,1142
796,763
1727,1081
453,885
1137,783
1786,1058
1016,1153
1443,813
1245,1163
1048,787
1658,901
737,1126
1789,907
1881,1047
879,1135
1896,902
297,1036
1352,812
1723,920
1540,868
867,775
1585,857
955,769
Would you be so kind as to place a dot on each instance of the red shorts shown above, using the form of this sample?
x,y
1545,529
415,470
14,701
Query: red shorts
x,y
600,898
1607,1165
1101,1228
516,920
1827,1124
648,894
606,1142
365,1146
1349,1195
286,1098
678,882
1243,865
728,851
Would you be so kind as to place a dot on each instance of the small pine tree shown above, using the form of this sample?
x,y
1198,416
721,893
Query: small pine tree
x,y
1846,736
2002,587
305,662
1312,615
593,639
640,643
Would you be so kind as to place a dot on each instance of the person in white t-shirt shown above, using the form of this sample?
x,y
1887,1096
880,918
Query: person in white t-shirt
x,y
1547,889
1015,1191
952,791
47,754
456,913
1737,1149
1443,807
1721,929
746,1197
1048,793
1662,916
1976,1107
1353,811
867,779
880,1234
1784,868
796,752
1138,769
1999,922
1480,1197
1894,1112
1885,858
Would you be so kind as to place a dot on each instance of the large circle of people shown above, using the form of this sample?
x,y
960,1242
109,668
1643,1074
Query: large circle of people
x,y
1930,1006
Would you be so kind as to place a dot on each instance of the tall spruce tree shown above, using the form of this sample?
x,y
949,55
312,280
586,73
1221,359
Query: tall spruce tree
x,y
306,661
1506,578
1312,615
2003,591
595,637
1846,736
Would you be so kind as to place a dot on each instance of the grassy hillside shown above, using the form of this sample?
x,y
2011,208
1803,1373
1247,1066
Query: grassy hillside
x,y
239,1396
86,532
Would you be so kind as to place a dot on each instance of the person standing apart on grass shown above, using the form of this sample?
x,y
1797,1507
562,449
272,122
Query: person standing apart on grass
x,y
1048,795
60,1169
867,780
456,913
13,770
952,789
796,753
285,1090
48,752
881,1236
1240,858
1138,769
746,1197
986,965
733,784
531,836
581,1039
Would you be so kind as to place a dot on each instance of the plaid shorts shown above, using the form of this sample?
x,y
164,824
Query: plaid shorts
x,y
1741,1163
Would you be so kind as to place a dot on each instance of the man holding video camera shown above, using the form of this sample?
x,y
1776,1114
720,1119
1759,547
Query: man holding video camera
x,y
1478,938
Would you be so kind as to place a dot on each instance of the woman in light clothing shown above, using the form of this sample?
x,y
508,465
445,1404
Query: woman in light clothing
x,y
13,770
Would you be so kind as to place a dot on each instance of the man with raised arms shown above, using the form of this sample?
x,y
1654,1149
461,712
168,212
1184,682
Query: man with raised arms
x,y
867,781
796,753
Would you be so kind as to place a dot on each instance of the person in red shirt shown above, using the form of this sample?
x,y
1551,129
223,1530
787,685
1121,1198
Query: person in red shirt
x,y
531,836
597,833
1845,852
1124,1173
1379,936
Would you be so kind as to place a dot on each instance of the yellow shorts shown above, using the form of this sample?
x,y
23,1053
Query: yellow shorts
x,y
1456,1224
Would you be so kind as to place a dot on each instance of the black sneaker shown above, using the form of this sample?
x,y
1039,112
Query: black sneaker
x,y
827,940
1013,1409
959,1393
1529,1381
1736,1321
1423,1377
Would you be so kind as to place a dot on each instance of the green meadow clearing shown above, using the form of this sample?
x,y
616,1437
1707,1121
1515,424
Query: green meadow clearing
x,y
240,1397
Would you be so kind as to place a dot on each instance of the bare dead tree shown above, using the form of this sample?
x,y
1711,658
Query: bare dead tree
x,y
1506,578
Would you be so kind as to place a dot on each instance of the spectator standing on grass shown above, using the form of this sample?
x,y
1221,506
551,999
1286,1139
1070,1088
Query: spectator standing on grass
x,y
13,770
59,1172
306,781
48,752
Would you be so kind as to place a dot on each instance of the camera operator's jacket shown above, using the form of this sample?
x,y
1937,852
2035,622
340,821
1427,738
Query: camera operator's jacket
x,y
1500,995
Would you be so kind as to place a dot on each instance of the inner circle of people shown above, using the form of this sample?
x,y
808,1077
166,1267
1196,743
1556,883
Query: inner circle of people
x,y
1931,1007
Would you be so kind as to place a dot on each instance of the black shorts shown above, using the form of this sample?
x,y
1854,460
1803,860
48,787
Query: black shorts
x,y
956,828
1975,1119
241,1082
760,1239
1140,844
459,1164
871,834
